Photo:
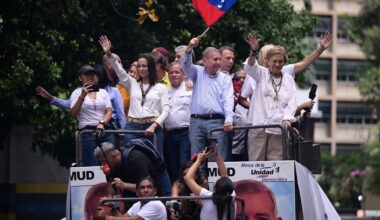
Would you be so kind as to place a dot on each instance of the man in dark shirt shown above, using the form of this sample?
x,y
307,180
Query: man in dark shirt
x,y
128,168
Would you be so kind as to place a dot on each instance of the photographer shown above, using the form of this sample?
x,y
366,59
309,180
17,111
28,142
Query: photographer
x,y
92,107
131,163
152,210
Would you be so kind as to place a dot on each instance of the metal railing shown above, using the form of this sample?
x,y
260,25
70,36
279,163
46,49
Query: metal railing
x,y
78,141
284,133
168,198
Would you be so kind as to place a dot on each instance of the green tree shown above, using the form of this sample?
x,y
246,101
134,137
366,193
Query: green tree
x,y
365,29
43,42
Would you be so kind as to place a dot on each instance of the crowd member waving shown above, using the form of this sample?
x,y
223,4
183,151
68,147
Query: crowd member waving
x,y
275,102
92,107
149,105
221,206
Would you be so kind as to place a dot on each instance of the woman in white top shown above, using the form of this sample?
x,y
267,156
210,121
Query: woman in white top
x,y
274,102
92,107
149,104
222,205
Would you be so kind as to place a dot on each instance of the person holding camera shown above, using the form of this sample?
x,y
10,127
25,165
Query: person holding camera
x,y
92,107
222,205
152,210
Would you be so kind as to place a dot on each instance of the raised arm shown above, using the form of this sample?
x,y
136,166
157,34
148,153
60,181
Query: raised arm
x,y
125,79
324,43
191,174
251,67
220,163
254,44
187,60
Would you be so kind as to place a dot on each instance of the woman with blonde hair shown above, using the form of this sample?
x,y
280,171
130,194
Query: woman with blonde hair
x,y
274,99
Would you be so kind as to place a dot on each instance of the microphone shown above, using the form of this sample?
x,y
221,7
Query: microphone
x,y
312,92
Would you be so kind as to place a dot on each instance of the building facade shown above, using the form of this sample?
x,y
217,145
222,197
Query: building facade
x,y
346,118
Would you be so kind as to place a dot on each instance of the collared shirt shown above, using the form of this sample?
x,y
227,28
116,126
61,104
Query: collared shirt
x,y
179,102
249,87
165,80
211,94
266,109
156,101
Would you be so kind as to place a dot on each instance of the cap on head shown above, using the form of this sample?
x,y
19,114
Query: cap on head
x,y
86,68
163,51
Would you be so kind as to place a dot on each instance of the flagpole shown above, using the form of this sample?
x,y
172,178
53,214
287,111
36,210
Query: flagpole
x,y
204,32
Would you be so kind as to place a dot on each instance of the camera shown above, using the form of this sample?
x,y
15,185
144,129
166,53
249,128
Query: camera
x,y
176,206
94,88
211,144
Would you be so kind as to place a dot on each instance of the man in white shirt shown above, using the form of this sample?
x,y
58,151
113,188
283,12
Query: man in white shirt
x,y
177,146
143,210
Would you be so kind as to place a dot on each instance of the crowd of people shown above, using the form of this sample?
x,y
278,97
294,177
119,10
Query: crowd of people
x,y
179,103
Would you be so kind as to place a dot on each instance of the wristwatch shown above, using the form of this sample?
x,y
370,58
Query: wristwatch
x,y
102,122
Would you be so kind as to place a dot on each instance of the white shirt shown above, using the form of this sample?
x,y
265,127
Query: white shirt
x,y
179,102
250,84
153,210
265,109
156,101
208,211
92,110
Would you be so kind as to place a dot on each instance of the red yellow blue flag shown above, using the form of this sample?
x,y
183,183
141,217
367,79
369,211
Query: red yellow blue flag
x,y
212,10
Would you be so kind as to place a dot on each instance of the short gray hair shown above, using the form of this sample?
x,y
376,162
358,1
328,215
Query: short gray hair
x,y
180,49
106,59
206,53
107,149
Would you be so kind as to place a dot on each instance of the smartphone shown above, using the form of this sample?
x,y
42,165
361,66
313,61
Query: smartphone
x,y
95,88
211,144
174,205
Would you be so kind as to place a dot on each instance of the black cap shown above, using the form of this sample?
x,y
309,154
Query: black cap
x,y
86,68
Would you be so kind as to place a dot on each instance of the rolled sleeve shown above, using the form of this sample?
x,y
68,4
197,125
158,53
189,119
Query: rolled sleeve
x,y
188,67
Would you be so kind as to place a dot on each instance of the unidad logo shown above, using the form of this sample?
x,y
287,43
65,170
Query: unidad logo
x,y
264,172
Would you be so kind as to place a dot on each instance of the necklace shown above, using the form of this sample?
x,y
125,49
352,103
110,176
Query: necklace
x,y
276,87
144,93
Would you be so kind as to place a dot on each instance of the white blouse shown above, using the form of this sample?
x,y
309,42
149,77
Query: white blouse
x,y
156,101
267,109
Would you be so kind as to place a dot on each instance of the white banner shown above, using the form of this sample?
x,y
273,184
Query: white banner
x,y
86,176
254,179
263,171
87,186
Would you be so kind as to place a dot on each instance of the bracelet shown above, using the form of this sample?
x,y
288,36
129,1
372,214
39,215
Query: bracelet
x,y
81,98
254,52
320,50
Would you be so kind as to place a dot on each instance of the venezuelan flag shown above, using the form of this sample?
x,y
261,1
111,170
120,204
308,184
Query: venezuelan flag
x,y
212,10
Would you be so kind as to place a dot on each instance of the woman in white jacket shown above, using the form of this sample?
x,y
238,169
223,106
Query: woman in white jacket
x,y
274,102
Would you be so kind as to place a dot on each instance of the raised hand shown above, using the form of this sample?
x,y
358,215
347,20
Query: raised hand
x,y
106,44
253,42
43,93
325,40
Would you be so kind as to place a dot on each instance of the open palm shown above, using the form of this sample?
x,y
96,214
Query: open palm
x,y
105,43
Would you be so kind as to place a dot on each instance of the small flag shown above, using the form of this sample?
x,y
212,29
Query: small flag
x,y
212,10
